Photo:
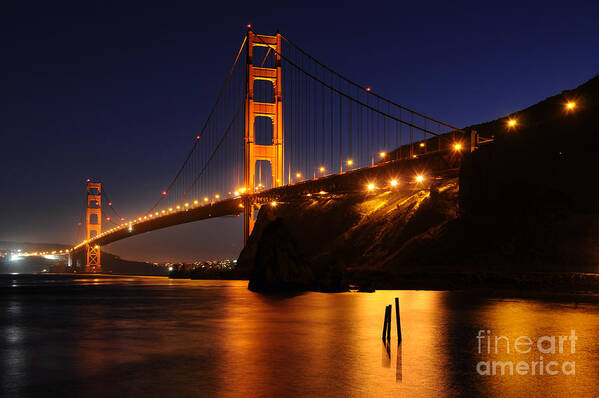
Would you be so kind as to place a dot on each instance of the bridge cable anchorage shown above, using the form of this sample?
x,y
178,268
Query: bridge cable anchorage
x,y
202,131
378,111
367,88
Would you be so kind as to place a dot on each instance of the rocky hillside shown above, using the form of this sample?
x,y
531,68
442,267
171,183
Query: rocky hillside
x,y
525,203
312,244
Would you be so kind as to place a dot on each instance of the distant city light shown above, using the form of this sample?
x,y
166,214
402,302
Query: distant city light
x,y
350,162
570,105
422,145
298,175
512,122
273,204
321,169
457,147
382,154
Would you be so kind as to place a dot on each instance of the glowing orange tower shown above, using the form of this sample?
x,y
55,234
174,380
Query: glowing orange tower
x,y
272,153
93,226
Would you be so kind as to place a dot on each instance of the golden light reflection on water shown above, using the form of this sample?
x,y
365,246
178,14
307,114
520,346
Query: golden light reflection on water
x,y
160,337
511,319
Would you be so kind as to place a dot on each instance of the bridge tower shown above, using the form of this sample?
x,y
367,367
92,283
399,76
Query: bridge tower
x,y
93,220
272,153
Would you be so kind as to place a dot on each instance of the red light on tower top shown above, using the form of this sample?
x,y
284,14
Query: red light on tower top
x,y
109,203
249,26
163,193
368,89
88,180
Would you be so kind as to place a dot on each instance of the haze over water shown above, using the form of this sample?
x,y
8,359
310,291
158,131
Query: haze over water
x,y
87,336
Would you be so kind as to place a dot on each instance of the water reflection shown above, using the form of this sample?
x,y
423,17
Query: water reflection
x,y
398,365
157,337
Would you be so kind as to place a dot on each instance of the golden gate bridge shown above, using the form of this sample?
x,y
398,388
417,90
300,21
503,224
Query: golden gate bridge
x,y
285,127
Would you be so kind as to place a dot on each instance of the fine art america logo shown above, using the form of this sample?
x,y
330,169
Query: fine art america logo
x,y
546,355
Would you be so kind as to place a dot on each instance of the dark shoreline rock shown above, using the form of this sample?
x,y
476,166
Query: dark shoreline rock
x,y
523,215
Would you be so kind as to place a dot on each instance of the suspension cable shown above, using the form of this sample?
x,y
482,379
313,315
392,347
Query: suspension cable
x,y
226,132
364,88
222,90
344,94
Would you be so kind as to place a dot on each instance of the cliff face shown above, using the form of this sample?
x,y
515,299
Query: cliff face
x,y
527,202
312,244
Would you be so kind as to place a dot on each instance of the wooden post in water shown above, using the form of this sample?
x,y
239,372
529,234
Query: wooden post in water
x,y
397,320
385,323
389,324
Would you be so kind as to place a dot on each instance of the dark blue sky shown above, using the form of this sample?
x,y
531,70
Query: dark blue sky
x,y
118,92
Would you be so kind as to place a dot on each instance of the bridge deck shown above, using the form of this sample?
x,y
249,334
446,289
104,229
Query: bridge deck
x,y
437,165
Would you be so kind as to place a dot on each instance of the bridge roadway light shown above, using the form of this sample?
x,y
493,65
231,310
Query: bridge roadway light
x,y
205,199
321,169
273,203
512,123
457,147
370,186
382,154
570,105
350,162
419,178
422,144
394,183
298,175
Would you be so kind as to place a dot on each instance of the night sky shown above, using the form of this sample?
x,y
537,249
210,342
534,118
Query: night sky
x,y
119,92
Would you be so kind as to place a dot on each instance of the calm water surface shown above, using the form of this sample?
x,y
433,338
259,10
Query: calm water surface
x,y
155,337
